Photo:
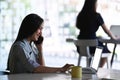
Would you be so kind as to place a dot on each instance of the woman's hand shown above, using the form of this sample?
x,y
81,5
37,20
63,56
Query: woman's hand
x,y
66,67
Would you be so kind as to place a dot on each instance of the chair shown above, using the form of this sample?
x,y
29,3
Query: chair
x,y
84,45
84,48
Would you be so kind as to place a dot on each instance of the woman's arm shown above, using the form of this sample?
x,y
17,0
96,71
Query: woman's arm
x,y
38,44
40,54
108,32
44,69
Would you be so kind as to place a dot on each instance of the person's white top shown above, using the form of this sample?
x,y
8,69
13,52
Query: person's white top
x,y
22,57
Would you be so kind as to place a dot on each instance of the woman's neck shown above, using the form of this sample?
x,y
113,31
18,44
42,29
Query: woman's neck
x,y
29,40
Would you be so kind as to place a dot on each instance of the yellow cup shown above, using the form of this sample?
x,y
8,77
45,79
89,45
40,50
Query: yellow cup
x,y
76,72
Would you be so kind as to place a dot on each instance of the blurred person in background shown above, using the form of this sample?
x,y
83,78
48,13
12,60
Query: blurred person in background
x,y
88,21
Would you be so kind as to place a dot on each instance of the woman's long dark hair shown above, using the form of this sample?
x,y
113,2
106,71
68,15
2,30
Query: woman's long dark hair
x,y
28,26
89,6
88,11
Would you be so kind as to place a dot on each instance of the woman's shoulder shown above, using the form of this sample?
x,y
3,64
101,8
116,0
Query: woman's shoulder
x,y
18,45
21,43
98,14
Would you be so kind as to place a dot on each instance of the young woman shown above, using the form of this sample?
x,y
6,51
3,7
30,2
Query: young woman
x,y
88,21
26,52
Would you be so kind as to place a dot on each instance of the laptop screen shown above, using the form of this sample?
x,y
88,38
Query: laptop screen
x,y
96,58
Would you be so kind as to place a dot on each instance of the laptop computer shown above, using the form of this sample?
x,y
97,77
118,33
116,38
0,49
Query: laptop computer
x,y
95,62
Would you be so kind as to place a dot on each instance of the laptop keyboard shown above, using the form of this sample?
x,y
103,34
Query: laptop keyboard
x,y
88,71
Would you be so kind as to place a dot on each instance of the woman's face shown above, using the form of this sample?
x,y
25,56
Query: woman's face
x,y
38,33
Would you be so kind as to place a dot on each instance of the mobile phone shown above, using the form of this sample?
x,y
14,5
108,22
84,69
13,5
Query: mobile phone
x,y
40,40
